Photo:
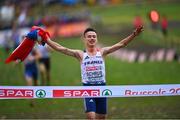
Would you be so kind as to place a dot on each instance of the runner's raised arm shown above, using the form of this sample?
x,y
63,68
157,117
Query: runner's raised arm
x,y
64,50
107,50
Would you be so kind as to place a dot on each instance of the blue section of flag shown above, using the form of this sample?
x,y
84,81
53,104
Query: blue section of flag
x,y
33,34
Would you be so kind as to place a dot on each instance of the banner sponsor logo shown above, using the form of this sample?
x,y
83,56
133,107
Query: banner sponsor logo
x,y
76,93
16,93
106,92
40,93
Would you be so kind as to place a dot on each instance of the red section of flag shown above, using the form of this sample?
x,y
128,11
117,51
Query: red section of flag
x,y
22,51
76,93
16,93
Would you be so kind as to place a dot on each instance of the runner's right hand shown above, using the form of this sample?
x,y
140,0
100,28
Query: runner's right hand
x,y
38,34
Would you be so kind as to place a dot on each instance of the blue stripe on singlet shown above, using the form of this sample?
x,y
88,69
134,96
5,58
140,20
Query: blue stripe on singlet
x,y
94,84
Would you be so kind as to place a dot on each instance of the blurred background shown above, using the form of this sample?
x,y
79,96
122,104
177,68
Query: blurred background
x,y
152,58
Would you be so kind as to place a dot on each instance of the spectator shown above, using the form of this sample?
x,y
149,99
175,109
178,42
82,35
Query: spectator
x,y
15,37
7,43
7,14
138,21
164,26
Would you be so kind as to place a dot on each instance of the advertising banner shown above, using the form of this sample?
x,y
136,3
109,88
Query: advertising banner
x,y
32,92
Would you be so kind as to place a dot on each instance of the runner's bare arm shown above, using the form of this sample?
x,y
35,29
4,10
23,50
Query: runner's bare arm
x,y
107,50
70,52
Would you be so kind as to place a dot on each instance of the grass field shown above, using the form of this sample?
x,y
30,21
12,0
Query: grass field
x,y
66,72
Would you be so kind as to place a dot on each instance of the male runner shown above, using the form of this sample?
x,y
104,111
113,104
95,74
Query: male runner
x,y
31,70
44,64
92,65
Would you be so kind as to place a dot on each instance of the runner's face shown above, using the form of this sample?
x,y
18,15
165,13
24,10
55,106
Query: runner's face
x,y
90,39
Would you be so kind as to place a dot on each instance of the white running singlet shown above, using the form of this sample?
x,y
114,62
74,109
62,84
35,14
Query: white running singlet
x,y
93,69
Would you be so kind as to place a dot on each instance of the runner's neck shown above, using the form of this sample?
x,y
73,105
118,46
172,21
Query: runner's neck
x,y
92,51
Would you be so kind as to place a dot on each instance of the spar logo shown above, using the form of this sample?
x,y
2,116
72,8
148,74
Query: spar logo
x,y
76,93
16,93
40,93
106,92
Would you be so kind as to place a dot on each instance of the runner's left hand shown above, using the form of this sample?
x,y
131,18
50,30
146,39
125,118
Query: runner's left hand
x,y
138,30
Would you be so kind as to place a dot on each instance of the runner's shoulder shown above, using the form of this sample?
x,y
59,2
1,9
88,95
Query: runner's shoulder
x,y
79,53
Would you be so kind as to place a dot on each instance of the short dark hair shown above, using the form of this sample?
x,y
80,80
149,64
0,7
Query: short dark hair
x,y
89,29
